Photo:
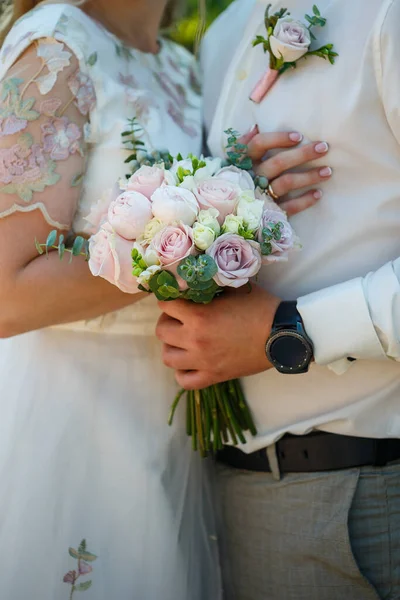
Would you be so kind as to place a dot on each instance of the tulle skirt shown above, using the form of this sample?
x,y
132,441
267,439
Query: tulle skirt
x,y
98,495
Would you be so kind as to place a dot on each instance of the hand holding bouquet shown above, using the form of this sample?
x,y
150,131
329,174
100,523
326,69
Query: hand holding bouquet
x,y
189,228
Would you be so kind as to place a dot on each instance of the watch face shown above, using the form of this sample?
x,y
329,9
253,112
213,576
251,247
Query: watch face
x,y
289,352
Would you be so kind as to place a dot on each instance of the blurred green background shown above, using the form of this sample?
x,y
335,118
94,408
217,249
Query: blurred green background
x,y
185,31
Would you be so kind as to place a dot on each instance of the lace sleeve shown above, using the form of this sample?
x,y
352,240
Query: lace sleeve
x,y
44,106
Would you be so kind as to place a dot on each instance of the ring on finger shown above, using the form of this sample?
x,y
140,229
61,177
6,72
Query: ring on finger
x,y
272,193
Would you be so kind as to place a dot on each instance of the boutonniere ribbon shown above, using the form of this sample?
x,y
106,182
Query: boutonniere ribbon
x,y
288,41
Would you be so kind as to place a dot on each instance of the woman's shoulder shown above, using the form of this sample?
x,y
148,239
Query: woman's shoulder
x,y
64,22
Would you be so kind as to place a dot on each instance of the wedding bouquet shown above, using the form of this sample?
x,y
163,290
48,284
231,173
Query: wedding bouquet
x,y
188,228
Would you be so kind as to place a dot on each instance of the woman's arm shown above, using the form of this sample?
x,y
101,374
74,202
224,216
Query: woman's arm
x,y
42,154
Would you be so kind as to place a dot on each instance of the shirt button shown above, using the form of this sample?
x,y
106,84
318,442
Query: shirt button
x,y
241,75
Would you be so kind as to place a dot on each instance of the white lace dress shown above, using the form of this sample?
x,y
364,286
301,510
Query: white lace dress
x,y
97,494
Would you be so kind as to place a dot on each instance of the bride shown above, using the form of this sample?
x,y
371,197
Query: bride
x,y
97,494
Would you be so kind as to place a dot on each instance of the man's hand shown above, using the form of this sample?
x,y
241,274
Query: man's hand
x,y
207,344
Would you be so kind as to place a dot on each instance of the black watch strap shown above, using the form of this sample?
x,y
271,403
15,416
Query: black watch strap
x,y
286,315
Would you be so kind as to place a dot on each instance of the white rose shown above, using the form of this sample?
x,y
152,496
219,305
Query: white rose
x,y
209,218
146,275
290,40
171,204
232,224
239,176
203,236
250,210
190,182
151,257
151,229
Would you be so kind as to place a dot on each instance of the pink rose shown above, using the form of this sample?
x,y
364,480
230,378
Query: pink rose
x,y
110,258
171,204
237,176
173,243
129,214
220,194
146,180
282,247
237,259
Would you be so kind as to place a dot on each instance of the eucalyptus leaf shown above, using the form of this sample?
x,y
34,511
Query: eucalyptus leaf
x,y
82,587
51,238
78,245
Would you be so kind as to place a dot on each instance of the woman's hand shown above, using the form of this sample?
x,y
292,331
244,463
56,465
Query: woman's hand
x,y
277,168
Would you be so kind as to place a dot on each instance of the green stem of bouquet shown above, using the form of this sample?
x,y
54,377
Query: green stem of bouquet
x,y
215,416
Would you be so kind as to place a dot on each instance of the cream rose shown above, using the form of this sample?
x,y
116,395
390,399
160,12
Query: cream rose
x,y
203,236
232,224
209,218
250,210
290,40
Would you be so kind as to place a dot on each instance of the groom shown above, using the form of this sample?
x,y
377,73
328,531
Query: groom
x,y
311,505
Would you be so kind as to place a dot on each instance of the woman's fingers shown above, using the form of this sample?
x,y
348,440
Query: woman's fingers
x,y
262,143
296,205
296,181
283,161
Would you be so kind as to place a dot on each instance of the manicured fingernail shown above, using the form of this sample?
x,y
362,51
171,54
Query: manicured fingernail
x,y
321,148
254,128
295,136
325,172
318,195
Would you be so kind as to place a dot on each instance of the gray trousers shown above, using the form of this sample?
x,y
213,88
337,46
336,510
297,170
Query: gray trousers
x,y
313,536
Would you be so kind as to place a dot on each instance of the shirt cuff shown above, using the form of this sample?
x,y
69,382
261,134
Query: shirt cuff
x,y
338,322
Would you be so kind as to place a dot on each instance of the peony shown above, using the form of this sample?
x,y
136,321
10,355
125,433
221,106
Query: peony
x,y
250,210
238,176
173,243
129,214
232,224
173,204
146,180
237,259
99,211
110,258
290,40
287,241
220,194
203,236
209,218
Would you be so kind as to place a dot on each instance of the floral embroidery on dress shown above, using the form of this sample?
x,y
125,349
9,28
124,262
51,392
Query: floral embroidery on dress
x,y
178,118
177,103
50,106
82,88
14,111
83,558
61,138
55,58
128,80
24,169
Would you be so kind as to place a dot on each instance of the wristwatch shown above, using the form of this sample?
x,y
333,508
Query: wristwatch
x,y
288,348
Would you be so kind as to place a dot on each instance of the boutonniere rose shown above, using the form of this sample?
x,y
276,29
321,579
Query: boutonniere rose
x,y
288,41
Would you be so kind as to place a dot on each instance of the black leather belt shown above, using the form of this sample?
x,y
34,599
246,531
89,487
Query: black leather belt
x,y
317,451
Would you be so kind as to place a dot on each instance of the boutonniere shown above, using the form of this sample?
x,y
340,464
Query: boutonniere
x,y
287,42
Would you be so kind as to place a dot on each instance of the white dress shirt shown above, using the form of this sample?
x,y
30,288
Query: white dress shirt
x,y
347,276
